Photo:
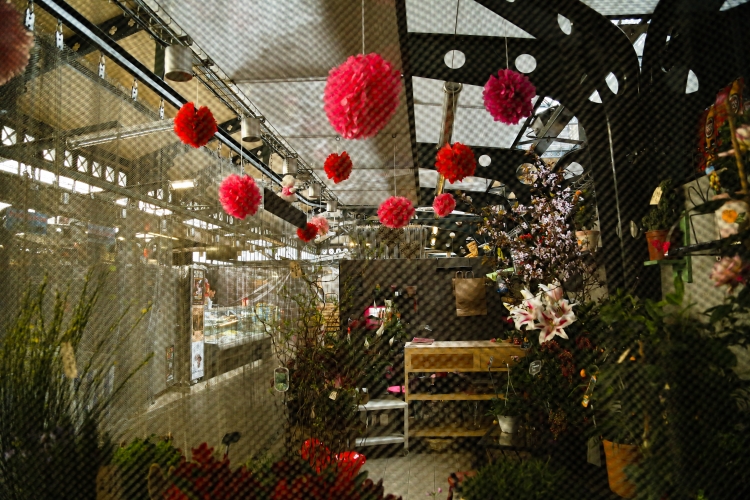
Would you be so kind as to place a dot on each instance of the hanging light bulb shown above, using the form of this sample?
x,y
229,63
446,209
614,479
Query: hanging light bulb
x,y
250,129
178,63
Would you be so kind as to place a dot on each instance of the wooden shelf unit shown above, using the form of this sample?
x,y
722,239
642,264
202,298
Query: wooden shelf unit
x,y
454,356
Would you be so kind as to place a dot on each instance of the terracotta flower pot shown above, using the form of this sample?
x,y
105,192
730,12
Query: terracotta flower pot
x,y
620,456
656,240
588,241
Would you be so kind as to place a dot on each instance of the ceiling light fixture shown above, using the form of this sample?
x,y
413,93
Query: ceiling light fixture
x,y
95,138
178,63
250,129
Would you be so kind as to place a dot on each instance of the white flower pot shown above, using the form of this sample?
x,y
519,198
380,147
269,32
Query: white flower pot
x,y
508,425
587,240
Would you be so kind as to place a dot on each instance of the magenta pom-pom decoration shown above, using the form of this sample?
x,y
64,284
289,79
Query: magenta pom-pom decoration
x,y
395,212
240,196
308,233
361,96
338,167
508,96
321,223
444,204
455,162
287,193
15,43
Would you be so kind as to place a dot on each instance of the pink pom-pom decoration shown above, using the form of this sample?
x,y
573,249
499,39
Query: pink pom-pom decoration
x,y
444,204
308,233
395,212
338,167
321,223
287,193
362,95
455,162
195,127
15,43
240,196
508,96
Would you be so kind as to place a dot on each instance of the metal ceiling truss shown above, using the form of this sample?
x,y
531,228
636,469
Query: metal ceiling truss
x,y
210,77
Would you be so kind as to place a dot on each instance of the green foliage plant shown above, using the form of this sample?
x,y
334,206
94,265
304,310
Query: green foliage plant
x,y
662,215
532,479
584,216
135,459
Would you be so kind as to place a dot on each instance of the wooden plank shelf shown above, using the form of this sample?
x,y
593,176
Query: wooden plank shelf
x,y
453,397
447,431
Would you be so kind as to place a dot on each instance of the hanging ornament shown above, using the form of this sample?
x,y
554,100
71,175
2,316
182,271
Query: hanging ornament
x,y
338,167
321,223
15,43
508,96
395,212
362,95
240,196
455,162
444,204
195,127
308,233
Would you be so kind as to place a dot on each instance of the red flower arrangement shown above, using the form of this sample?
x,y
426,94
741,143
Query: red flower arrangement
x,y
508,96
240,196
455,162
395,212
321,223
338,167
444,204
362,95
195,127
308,233
15,43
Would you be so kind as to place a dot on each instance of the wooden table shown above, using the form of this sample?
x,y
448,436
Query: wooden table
x,y
456,356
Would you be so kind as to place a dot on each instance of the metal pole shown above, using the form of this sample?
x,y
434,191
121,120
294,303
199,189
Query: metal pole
x,y
450,102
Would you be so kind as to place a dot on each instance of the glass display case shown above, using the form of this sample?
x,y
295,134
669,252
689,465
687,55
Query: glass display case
x,y
231,326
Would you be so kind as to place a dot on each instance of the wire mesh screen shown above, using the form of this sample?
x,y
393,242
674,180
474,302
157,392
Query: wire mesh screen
x,y
556,308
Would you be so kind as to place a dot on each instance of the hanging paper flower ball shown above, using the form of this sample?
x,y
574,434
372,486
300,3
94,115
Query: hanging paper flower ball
x,y
321,223
15,43
308,233
287,193
338,167
362,95
444,204
508,96
455,162
195,127
395,212
239,195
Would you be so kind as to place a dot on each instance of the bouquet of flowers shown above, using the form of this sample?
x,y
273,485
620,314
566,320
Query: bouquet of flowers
x,y
548,312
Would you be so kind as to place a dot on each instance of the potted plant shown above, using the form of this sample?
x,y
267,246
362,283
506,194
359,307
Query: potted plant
x,y
507,412
584,220
132,463
514,479
658,221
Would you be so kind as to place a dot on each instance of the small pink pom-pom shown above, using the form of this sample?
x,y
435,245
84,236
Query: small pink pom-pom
x,y
321,223
395,212
455,162
444,204
508,96
239,195
287,193
15,43
361,96
308,233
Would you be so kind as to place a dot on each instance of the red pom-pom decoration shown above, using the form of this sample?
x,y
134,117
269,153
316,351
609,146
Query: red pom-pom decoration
x,y
362,95
444,204
308,233
15,43
338,167
240,196
321,223
395,212
195,127
455,162
508,96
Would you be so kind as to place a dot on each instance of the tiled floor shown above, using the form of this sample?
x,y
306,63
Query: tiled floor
x,y
417,474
